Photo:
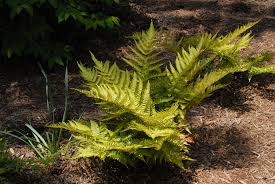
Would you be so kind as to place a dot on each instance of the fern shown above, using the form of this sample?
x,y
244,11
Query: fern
x,y
146,106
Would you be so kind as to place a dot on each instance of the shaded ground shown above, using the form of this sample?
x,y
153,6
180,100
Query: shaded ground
x,y
234,130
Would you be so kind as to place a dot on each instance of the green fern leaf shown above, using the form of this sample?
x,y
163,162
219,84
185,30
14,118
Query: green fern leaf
x,y
151,131
188,63
104,73
135,98
237,32
143,56
260,70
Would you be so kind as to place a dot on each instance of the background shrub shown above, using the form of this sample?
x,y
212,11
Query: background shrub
x,y
41,28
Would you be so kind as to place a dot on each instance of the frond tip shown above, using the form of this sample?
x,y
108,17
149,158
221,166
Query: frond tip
x,y
143,56
260,70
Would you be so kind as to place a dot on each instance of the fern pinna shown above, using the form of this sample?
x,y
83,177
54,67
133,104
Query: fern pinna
x,y
145,107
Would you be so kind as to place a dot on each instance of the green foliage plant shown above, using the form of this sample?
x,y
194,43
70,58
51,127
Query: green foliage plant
x,y
36,27
46,147
145,107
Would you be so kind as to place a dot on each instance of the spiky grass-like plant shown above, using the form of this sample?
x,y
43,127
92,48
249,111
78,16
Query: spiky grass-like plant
x,y
146,106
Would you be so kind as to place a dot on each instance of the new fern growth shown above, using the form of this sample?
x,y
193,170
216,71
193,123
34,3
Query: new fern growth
x,y
145,107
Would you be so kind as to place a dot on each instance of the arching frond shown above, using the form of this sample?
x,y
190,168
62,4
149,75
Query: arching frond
x,y
260,70
143,56
90,128
231,44
184,62
96,140
152,132
188,63
103,72
230,37
131,96
163,119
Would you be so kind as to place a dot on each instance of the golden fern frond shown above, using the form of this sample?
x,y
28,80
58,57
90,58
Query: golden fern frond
x,y
232,43
242,43
210,79
163,119
134,98
184,62
125,151
229,38
90,128
260,70
232,49
173,154
96,140
222,45
188,63
103,72
145,39
193,98
143,56
192,41
152,132
203,87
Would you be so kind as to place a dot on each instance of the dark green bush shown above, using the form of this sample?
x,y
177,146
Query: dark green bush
x,y
38,28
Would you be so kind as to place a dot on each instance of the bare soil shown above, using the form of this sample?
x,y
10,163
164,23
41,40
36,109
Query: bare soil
x,y
234,130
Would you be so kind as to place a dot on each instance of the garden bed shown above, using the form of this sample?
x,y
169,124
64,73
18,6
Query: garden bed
x,y
233,131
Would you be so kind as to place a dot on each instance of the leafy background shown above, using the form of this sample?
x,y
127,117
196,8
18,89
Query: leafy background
x,y
42,29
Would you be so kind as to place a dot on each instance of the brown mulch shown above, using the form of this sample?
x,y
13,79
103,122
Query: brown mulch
x,y
234,130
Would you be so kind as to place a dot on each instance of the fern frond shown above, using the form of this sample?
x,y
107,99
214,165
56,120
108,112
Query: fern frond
x,y
98,141
232,49
188,63
152,132
103,72
134,98
184,62
232,43
203,87
229,38
144,56
81,127
260,70
173,154
206,39
163,119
